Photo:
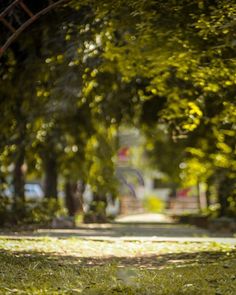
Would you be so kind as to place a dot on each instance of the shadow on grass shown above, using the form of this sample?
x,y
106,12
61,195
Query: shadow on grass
x,y
34,272
143,261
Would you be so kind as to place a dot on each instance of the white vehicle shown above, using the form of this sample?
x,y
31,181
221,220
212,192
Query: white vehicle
x,y
33,191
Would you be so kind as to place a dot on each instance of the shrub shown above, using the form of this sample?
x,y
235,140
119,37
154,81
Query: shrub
x,y
42,212
153,204
29,212
5,208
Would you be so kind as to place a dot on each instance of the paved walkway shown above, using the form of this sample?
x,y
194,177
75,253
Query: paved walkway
x,y
141,227
144,218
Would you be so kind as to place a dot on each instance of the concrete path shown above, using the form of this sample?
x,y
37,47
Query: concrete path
x,y
141,227
144,218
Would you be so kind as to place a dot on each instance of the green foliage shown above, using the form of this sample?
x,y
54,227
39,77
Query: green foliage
x,y
100,153
143,63
32,212
153,204
97,213
42,212
213,210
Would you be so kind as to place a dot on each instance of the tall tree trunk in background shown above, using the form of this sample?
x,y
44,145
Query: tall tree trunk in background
x,y
209,183
51,175
79,195
225,190
69,195
18,173
199,196
208,196
74,196
2,183
18,176
18,205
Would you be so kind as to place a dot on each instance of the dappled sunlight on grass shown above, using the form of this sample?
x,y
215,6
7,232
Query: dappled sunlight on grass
x,y
117,248
76,266
43,274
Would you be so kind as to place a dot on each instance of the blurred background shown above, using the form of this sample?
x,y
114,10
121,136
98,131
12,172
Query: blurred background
x,y
116,108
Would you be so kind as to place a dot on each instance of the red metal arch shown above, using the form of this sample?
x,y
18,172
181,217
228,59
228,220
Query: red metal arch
x,y
11,12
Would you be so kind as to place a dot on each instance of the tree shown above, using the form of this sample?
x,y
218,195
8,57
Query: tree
x,y
148,64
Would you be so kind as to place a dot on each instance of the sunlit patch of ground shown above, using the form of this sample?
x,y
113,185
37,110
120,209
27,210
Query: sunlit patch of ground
x,y
77,266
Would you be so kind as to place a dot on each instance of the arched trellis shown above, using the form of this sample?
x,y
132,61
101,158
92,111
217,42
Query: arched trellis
x,y
17,16
120,174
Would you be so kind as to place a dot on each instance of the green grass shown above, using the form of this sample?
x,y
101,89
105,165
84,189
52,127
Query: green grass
x,y
79,266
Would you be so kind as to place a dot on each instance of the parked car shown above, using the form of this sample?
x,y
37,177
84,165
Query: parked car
x,y
33,191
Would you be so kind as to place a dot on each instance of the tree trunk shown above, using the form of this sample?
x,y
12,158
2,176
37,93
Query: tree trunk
x,y
51,176
225,189
208,197
80,188
18,182
74,197
18,176
97,210
69,199
18,173
199,196
18,205
210,183
2,183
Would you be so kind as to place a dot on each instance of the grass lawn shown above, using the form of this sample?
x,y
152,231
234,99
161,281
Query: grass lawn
x,y
80,266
